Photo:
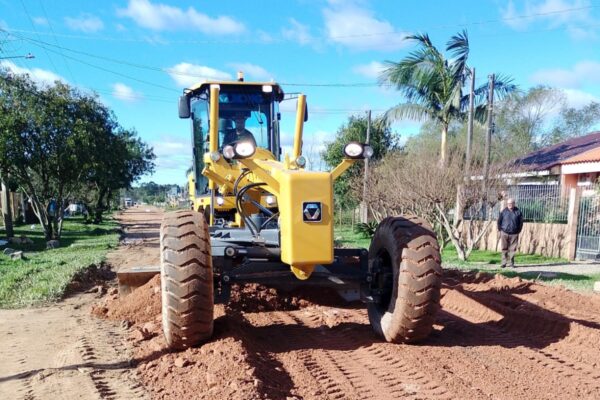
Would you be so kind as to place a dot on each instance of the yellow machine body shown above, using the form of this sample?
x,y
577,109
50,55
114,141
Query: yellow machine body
x,y
304,242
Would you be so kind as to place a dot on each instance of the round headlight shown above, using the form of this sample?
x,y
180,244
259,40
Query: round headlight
x,y
270,200
301,161
228,152
367,151
220,201
244,149
353,150
215,156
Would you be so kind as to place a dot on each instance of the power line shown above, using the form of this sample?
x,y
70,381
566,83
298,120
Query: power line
x,y
174,72
474,23
109,70
35,31
56,41
279,41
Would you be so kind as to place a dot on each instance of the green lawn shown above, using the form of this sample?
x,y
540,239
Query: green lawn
x,y
494,258
44,274
482,260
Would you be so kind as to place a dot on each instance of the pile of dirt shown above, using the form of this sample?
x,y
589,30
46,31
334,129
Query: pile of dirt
x,y
94,275
139,307
259,298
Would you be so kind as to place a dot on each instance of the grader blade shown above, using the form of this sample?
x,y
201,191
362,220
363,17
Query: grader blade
x,y
130,278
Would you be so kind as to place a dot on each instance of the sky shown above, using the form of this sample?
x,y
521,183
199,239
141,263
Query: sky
x,y
138,55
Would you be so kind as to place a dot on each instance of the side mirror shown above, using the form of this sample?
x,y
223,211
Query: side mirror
x,y
305,112
184,107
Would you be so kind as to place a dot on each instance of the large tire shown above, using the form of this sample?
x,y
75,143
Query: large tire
x,y
186,279
405,259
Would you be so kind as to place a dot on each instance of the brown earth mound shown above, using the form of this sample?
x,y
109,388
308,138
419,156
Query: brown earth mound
x,y
141,306
495,337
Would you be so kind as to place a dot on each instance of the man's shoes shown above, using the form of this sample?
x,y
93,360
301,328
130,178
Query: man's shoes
x,y
503,266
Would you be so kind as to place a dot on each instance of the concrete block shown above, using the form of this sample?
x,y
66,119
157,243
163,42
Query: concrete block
x,y
597,287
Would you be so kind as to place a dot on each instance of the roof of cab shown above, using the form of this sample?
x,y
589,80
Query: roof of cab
x,y
203,85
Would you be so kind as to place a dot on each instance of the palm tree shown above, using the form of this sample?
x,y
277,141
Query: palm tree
x,y
433,85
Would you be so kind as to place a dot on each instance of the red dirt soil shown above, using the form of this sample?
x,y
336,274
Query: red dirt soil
x,y
495,337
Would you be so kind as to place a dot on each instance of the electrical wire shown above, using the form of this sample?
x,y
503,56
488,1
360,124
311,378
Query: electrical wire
x,y
349,36
36,32
56,41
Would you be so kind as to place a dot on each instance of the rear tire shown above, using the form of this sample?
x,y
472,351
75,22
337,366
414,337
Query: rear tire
x,y
405,259
186,279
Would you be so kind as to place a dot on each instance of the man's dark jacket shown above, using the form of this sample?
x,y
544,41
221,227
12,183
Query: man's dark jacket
x,y
510,222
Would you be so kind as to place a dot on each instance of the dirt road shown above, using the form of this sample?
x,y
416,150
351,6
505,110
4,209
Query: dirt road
x,y
62,352
494,338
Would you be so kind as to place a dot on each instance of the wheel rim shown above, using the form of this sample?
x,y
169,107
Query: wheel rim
x,y
383,279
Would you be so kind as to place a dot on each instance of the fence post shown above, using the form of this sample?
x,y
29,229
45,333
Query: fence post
x,y
572,221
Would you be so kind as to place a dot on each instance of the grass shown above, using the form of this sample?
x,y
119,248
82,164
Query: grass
x,y
481,260
450,257
44,275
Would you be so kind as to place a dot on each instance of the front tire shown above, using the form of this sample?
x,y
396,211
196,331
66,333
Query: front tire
x,y
186,279
405,263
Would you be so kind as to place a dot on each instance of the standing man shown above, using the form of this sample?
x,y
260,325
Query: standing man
x,y
510,224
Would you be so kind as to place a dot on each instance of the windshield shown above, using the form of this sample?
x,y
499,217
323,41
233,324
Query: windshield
x,y
245,114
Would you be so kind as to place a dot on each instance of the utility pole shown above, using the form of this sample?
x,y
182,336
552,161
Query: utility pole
x,y
490,129
364,210
6,210
470,125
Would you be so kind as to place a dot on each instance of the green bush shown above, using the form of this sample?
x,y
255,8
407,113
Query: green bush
x,y
366,229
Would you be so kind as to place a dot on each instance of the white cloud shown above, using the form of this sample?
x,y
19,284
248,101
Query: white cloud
x,y
578,98
162,17
40,76
371,70
125,93
356,27
553,13
85,23
186,74
41,21
298,32
253,71
582,73
172,153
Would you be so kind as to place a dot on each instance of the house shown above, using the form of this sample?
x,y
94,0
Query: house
x,y
574,162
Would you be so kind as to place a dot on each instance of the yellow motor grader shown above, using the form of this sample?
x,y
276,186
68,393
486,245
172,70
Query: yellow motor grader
x,y
260,217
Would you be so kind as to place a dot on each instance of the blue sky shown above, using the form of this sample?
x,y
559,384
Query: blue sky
x,y
139,54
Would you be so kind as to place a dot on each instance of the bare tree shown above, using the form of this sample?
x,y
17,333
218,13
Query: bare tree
x,y
411,184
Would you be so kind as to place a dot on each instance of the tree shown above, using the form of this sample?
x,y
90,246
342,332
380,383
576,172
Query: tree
x,y
433,85
382,140
408,183
573,122
56,140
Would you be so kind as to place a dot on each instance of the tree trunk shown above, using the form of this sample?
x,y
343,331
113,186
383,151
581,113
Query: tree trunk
x,y
60,218
99,206
7,210
443,150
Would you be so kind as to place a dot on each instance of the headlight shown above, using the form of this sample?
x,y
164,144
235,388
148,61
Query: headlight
x,y
301,161
244,149
220,201
270,200
228,152
215,156
358,150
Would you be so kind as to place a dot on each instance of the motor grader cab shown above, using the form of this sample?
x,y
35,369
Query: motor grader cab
x,y
235,236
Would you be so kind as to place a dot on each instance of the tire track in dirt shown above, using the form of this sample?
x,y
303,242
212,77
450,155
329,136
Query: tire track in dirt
x,y
495,337
541,347
343,361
